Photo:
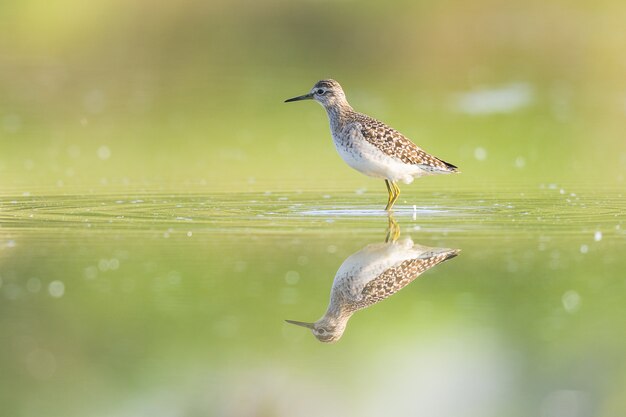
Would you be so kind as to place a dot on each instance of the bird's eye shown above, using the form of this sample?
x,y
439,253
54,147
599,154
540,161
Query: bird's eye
x,y
321,331
320,91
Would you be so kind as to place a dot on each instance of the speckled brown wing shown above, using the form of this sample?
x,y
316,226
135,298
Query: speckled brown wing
x,y
395,144
396,278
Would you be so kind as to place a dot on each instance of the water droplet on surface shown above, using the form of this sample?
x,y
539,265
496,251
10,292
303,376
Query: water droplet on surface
x,y
571,301
292,277
56,289
104,152
103,265
91,272
114,264
480,154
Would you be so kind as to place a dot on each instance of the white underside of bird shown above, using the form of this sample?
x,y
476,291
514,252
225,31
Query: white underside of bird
x,y
369,160
370,262
370,146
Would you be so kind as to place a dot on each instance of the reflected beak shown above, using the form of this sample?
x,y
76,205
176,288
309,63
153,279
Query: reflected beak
x,y
304,97
301,323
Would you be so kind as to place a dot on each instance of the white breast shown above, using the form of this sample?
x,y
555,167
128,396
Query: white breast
x,y
370,262
369,160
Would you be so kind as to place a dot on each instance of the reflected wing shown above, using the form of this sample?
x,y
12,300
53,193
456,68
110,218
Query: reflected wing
x,y
398,277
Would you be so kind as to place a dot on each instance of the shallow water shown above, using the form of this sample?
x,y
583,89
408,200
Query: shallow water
x,y
163,211
154,303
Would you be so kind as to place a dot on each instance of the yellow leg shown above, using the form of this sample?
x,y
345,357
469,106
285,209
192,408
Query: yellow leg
x,y
394,193
393,230
390,190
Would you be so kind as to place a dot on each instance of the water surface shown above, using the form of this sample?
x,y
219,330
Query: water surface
x,y
143,303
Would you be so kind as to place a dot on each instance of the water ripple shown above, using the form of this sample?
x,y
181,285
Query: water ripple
x,y
504,213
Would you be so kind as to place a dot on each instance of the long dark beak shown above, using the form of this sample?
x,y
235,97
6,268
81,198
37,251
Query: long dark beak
x,y
301,323
304,97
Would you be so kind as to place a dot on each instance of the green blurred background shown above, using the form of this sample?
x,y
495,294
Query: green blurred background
x,y
118,92
162,210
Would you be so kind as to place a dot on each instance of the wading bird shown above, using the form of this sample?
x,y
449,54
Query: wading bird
x,y
370,146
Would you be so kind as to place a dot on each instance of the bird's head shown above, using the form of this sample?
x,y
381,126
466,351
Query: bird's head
x,y
324,330
326,92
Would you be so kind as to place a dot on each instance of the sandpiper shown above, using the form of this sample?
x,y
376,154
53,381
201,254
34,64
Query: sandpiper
x,y
370,146
370,275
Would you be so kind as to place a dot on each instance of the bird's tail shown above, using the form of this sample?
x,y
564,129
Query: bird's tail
x,y
450,167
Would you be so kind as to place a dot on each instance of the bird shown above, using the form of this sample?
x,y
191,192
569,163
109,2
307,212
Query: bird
x,y
370,146
371,275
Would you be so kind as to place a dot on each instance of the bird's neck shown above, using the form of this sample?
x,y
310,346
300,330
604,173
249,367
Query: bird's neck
x,y
338,309
338,114
335,321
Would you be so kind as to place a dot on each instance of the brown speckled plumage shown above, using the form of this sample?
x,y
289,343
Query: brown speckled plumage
x,y
383,137
371,275
370,146
395,144
394,279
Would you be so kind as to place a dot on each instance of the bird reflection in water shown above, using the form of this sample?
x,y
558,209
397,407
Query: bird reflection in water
x,y
372,274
